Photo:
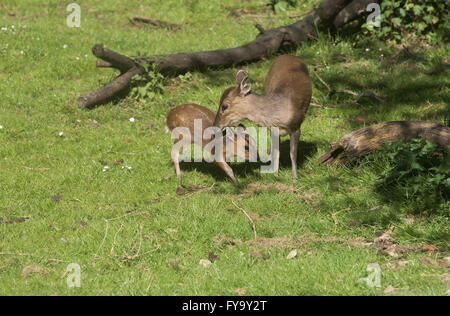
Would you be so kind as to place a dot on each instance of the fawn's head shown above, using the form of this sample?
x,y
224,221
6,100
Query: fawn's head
x,y
232,103
239,144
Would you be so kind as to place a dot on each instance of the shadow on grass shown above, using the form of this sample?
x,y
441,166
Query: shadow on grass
x,y
402,78
252,169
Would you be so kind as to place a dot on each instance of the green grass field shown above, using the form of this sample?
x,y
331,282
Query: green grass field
x,y
129,231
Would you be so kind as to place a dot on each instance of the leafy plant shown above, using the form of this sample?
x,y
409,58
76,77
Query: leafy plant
x,y
148,85
186,78
418,172
426,19
280,6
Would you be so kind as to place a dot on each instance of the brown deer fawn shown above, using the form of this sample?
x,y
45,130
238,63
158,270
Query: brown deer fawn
x,y
288,94
185,116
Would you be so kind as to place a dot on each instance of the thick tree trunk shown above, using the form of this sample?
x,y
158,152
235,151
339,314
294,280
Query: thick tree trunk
x,y
265,44
363,141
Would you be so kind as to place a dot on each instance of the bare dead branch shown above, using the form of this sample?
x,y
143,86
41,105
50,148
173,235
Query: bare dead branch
x,y
352,11
266,43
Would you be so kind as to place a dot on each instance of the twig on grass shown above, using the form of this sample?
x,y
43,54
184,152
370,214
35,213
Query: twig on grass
x,y
251,221
10,13
150,282
358,96
336,222
111,252
14,220
155,22
129,258
104,238
30,255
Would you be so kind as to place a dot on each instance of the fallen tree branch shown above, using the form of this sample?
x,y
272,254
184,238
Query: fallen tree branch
x,y
353,11
358,143
266,43
128,69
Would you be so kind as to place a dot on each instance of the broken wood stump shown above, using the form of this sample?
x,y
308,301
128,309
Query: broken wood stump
x,y
359,143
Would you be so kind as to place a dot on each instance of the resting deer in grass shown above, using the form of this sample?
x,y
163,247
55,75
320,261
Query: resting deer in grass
x,y
288,94
185,116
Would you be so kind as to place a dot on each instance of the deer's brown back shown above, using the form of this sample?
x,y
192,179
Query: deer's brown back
x,y
185,116
289,77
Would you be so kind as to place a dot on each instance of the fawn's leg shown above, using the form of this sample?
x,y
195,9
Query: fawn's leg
x,y
176,163
225,167
294,149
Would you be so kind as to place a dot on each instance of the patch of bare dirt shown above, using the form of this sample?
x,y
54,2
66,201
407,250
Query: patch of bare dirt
x,y
383,244
283,242
435,263
386,246
34,269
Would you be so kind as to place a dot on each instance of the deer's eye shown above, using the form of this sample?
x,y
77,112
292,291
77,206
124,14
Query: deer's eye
x,y
224,107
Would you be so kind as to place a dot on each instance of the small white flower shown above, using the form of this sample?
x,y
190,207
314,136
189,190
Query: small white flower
x,y
4,28
65,46
380,50
61,134
367,49
132,120
77,58
129,168
318,53
1,126
86,56
382,55
123,167
12,26
24,26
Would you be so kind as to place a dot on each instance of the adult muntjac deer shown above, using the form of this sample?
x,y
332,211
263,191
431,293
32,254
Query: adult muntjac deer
x,y
185,116
288,94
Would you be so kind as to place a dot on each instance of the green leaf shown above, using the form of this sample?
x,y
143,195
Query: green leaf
x,y
418,9
280,7
397,21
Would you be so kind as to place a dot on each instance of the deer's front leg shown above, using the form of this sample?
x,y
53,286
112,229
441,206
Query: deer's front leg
x,y
295,137
275,149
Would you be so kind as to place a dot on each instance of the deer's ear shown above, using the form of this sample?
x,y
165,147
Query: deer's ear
x,y
240,76
245,87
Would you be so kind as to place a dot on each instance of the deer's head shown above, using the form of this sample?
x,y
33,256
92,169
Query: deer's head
x,y
232,108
